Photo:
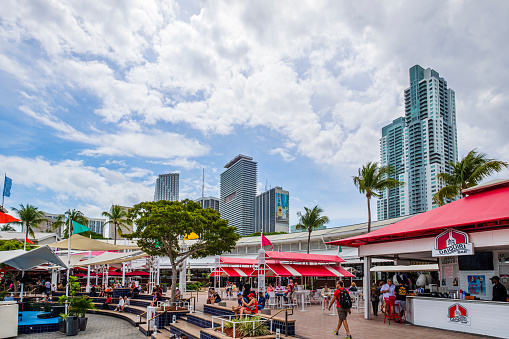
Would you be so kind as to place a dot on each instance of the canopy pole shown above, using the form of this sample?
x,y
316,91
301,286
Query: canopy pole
x,y
22,275
123,274
96,276
367,287
68,263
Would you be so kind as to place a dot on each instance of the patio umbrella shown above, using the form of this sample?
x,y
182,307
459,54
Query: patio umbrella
x,y
5,218
80,275
138,274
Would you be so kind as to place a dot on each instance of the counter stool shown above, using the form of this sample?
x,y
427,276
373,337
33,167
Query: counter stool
x,y
392,310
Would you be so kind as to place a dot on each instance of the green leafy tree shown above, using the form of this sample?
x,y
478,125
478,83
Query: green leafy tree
x,y
30,217
466,173
372,181
162,226
312,219
118,218
77,305
7,228
66,220
11,245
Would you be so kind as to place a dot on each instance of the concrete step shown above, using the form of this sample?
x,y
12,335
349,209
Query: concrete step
x,y
192,331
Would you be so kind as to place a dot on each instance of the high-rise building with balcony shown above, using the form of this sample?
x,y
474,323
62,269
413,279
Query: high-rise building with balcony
x,y
272,211
391,154
167,187
429,144
238,191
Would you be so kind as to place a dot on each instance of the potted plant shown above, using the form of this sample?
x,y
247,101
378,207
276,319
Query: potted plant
x,y
77,306
80,306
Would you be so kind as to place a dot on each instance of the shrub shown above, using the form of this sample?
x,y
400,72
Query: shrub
x,y
245,326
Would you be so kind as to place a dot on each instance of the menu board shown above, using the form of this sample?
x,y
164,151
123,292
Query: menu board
x,y
477,284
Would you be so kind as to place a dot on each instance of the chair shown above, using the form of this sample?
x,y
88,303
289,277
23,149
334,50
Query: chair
x,y
392,310
272,300
317,296
307,297
291,302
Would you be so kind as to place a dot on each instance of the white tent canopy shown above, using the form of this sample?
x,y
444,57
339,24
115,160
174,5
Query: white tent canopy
x,y
26,260
405,268
112,258
79,242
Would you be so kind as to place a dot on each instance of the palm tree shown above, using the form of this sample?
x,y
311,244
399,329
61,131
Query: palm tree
x,y
311,220
117,218
372,181
7,228
468,172
66,220
30,217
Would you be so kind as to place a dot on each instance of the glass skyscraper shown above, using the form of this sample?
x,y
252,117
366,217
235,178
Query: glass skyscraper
x,y
238,192
429,144
167,187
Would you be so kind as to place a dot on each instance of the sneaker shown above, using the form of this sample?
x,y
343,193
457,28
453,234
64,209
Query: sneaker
x,y
348,337
335,332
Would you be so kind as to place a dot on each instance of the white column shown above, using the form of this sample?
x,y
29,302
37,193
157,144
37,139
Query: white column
x,y
261,271
367,287
123,274
183,279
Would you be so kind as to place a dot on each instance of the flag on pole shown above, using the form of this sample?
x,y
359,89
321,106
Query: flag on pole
x,y
7,186
340,249
29,241
266,242
78,228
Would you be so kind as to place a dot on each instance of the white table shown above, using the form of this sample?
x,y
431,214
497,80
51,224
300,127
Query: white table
x,y
302,293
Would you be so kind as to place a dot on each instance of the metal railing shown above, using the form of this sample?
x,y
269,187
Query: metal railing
x,y
234,324
149,320
271,317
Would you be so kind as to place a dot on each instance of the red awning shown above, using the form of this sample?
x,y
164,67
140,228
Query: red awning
x,y
235,272
302,257
480,211
138,274
238,261
295,270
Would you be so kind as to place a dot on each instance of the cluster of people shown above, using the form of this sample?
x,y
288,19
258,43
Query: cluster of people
x,y
387,292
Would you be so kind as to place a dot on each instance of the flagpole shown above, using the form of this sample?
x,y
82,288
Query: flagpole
x,y
3,192
261,239
68,261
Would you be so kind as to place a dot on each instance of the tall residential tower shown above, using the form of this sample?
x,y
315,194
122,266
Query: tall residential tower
x,y
238,191
272,211
429,144
167,187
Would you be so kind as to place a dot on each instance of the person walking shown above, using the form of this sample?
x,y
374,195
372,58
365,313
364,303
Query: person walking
x,y
340,296
375,299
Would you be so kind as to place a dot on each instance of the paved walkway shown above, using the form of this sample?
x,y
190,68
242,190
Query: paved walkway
x,y
317,323
100,327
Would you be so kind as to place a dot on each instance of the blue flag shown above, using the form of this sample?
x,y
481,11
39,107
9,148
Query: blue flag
x,y
79,228
7,186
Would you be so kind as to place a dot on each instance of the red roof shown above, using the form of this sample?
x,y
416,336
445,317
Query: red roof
x,y
302,257
484,210
138,273
236,272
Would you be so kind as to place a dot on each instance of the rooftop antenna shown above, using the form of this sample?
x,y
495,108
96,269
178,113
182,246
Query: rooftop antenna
x,y
203,184
266,183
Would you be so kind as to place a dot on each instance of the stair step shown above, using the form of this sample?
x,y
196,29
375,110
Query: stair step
x,y
183,326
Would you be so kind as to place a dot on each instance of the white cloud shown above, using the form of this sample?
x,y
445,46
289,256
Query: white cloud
x,y
286,156
97,188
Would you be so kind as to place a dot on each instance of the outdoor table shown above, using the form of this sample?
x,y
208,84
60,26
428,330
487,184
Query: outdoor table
x,y
302,293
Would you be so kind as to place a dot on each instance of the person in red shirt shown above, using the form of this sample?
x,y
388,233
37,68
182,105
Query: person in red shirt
x,y
106,304
342,313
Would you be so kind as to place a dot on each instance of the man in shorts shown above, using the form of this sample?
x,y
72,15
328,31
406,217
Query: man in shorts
x,y
342,312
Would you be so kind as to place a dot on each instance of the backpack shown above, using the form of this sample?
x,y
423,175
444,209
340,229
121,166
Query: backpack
x,y
345,301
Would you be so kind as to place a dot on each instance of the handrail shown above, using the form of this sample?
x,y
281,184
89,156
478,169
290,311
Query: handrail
x,y
271,317
149,320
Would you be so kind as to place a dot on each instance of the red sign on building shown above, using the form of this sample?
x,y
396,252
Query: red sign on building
x,y
458,314
452,242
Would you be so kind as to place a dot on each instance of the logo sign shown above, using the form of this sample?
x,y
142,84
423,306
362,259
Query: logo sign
x,y
458,314
452,242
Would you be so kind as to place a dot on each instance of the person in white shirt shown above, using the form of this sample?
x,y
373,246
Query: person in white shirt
x,y
388,289
119,305
126,304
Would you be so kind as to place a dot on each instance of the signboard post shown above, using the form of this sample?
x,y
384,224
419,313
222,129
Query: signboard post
x,y
261,271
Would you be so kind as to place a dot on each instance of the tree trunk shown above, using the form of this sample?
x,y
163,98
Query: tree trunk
x,y
174,278
115,232
369,214
309,237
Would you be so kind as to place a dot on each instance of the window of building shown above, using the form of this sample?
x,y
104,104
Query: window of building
x,y
230,197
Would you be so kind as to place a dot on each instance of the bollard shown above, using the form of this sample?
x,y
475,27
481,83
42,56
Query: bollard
x,y
190,309
174,318
155,329
278,333
138,318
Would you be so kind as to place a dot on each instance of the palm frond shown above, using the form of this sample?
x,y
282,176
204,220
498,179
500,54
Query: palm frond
x,y
446,192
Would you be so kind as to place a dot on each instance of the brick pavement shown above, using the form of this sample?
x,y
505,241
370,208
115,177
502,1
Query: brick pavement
x,y
316,323
98,327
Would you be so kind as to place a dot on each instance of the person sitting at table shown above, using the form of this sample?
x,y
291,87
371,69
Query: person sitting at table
x,y
401,292
279,290
353,287
119,305
289,291
325,296
107,303
8,297
270,288
127,302
247,308
261,301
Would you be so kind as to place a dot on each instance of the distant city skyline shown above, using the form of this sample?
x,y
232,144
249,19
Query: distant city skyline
x,y
95,105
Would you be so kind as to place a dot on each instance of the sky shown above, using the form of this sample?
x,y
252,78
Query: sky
x,y
99,98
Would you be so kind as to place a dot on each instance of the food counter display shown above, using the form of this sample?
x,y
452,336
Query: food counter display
x,y
462,315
